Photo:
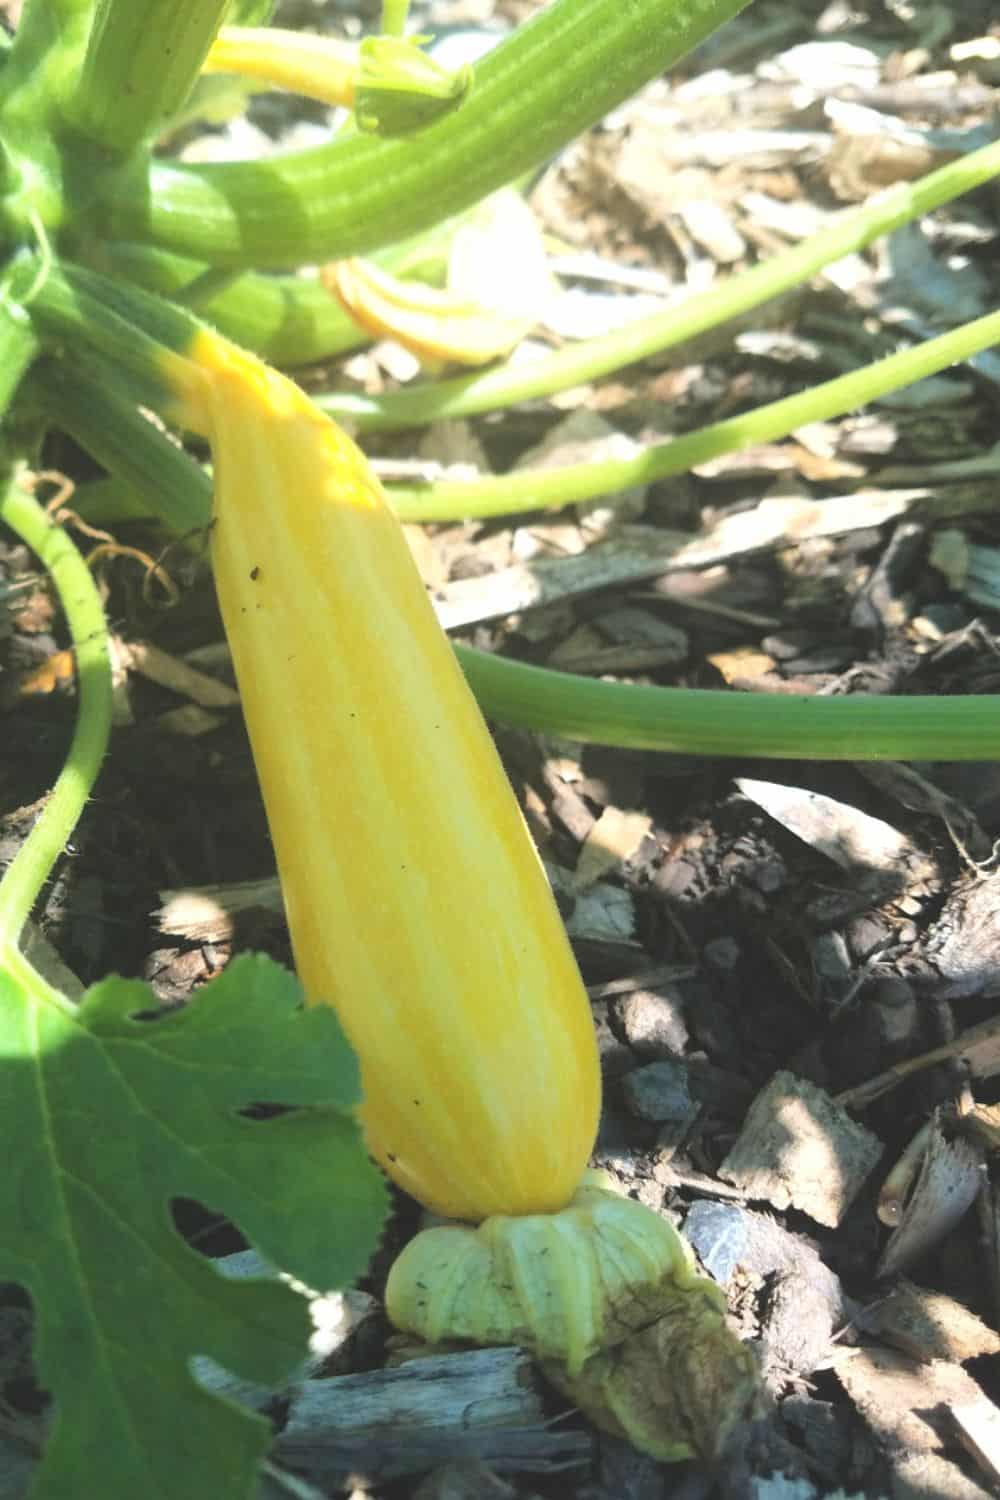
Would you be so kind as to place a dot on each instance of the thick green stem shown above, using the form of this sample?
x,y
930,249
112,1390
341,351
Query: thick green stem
x,y
740,725
466,395
537,489
143,334
140,64
556,75
89,633
288,320
657,718
96,409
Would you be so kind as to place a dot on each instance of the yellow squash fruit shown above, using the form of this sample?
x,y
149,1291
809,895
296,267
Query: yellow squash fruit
x,y
418,907
416,901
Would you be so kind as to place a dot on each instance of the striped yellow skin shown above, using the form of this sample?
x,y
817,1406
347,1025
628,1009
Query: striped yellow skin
x,y
416,901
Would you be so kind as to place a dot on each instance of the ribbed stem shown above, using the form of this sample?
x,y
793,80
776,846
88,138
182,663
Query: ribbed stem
x,y
536,489
96,408
556,75
740,725
140,64
467,394
659,718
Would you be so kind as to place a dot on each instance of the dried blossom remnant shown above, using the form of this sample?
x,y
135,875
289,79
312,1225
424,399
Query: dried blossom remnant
x,y
679,1388
607,1297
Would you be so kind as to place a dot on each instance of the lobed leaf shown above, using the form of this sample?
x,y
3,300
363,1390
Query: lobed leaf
x,y
107,1118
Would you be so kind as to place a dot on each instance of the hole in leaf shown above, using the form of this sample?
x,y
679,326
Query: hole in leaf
x,y
205,1230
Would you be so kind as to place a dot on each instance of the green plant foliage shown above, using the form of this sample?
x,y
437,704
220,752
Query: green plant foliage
x,y
108,1117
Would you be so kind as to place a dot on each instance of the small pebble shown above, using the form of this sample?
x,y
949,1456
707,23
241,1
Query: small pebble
x,y
653,1022
723,954
659,1092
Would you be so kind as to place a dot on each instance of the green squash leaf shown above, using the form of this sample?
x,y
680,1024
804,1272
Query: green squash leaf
x,y
107,1118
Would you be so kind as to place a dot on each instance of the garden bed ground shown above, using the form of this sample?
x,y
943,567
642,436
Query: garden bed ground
x,y
781,932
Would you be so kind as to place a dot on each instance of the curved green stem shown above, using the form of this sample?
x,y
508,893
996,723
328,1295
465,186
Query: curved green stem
x,y
89,633
660,718
555,76
537,489
743,725
466,395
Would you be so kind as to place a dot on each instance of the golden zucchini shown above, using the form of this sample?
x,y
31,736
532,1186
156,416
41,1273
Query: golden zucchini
x,y
416,901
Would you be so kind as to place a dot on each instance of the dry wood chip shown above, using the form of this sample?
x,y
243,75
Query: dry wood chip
x,y
752,149
482,1404
169,672
742,662
875,853
907,1406
964,944
647,979
950,1179
799,1149
978,1048
614,838
476,1388
633,552
826,66
455,446
582,313
919,1476
639,641
586,437
913,791
928,1325
982,1123
978,1426
712,227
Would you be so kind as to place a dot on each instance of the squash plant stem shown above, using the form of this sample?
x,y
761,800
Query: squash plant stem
x,y
466,395
630,715
88,629
536,489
